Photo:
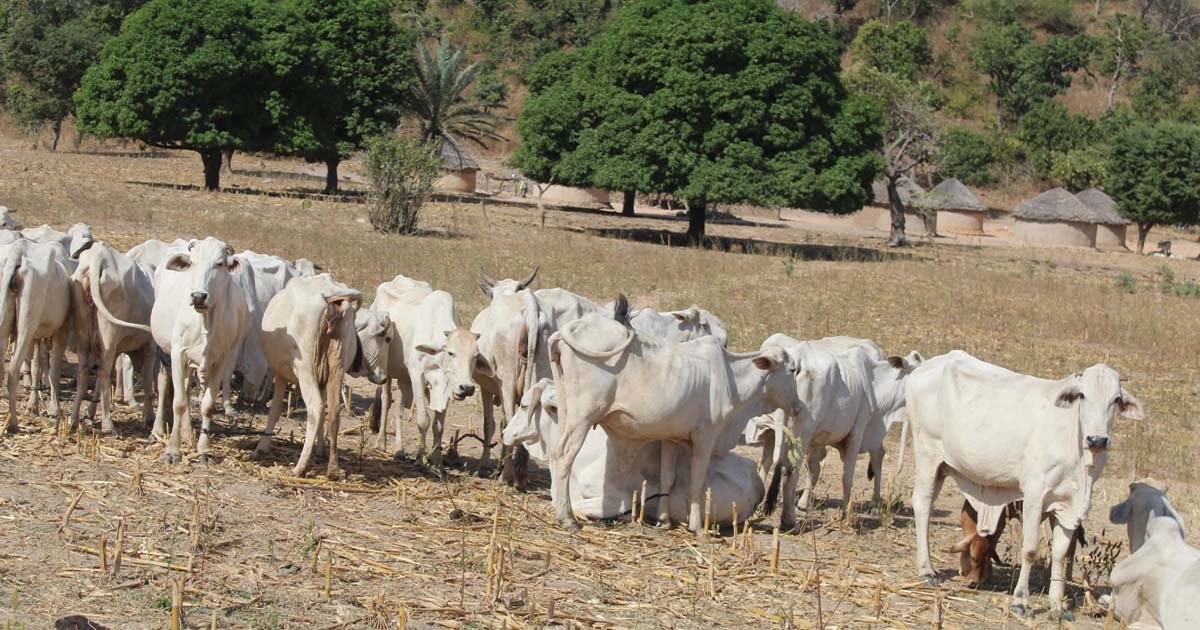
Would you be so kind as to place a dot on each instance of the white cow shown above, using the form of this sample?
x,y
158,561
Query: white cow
x,y
607,472
1146,500
678,326
35,305
114,297
267,276
153,253
643,389
504,372
77,238
1160,582
8,221
1004,437
428,338
198,318
308,338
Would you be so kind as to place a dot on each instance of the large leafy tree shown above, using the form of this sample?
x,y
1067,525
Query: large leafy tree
x,y
1153,177
45,48
342,68
900,49
185,74
731,101
1023,72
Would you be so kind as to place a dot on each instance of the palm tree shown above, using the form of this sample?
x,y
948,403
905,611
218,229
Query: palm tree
x,y
439,97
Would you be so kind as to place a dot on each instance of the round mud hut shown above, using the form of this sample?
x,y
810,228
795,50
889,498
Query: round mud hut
x,y
958,210
1055,218
459,170
1110,226
878,215
578,197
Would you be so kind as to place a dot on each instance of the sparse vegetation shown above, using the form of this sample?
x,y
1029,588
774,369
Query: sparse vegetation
x,y
401,172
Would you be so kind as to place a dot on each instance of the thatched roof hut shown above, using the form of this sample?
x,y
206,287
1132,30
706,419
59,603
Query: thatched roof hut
x,y
1110,226
907,188
957,208
1056,218
460,168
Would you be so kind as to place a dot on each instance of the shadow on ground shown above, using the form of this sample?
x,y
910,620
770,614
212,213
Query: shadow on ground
x,y
803,251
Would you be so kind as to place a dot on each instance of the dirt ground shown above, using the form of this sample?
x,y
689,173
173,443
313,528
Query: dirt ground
x,y
395,544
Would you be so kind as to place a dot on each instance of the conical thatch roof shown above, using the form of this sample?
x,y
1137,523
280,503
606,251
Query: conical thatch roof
x,y
1103,206
951,194
1056,204
454,158
907,188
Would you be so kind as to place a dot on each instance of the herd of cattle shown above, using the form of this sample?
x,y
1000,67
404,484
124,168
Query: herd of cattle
x,y
672,400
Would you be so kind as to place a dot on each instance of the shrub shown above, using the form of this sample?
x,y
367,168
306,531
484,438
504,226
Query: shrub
x,y
966,155
1126,282
400,172
1078,169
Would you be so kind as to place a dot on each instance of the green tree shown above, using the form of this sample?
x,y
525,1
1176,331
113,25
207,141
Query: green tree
x,y
46,47
1022,72
1152,175
1049,128
440,97
341,69
1079,169
1122,49
1157,94
967,156
184,74
731,101
900,49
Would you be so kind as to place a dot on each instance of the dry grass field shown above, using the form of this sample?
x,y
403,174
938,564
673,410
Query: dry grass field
x,y
394,544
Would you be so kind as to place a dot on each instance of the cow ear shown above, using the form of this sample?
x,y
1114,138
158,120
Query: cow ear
x,y
428,349
690,315
235,265
483,367
769,359
1131,407
1068,396
962,545
1119,513
179,262
487,290
915,358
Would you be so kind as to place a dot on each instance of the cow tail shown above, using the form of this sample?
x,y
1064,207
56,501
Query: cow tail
x,y
532,316
772,490
556,371
903,443
10,291
98,299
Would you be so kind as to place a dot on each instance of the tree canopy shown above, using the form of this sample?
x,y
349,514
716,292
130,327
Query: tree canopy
x,y
900,49
712,102
1023,72
1152,174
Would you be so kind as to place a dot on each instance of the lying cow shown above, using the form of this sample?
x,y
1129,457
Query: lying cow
x,y
1160,583
35,305
1146,499
607,472
976,552
1005,436
114,297
308,338
198,318
641,388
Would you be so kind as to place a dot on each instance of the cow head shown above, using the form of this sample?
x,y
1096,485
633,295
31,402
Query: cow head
x,y
977,553
696,322
779,381
207,266
374,331
8,221
306,268
1096,393
460,359
493,288
536,420
437,382
81,239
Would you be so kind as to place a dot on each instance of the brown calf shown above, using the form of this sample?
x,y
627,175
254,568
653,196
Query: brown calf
x,y
977,553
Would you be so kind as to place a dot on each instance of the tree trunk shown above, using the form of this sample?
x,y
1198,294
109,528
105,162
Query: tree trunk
x,y
696,212
227,161
331,176
1143,232
56,129
212,168
627,204
896,239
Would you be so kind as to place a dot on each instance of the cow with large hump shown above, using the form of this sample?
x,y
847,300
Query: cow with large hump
x,y
607,471
114,297
77,238
505,344
152,253
641,388
1005,436
428,340
197,321
1159,583
309,340
1147,499
35,305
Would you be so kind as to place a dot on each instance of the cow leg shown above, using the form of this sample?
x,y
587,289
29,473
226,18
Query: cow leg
x,y
81,388
815,455
876,464
406,405
439,426
123,380
264,442
333,411
767,461
180,374
35,380
383,393
165,393
149,368
489,428
1031,524
666,481
207,402
701,455
20,355
849,453
421,413
314,404
926,486
1062,540
787,514
562,460
104,389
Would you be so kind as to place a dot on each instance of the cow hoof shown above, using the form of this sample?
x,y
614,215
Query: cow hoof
x,y
787,526
570,526
1018,610
201,460
170,458
259,455
1062,615
931,580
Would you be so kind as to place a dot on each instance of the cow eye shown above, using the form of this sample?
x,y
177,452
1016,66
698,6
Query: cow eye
x,y
387,339
450,353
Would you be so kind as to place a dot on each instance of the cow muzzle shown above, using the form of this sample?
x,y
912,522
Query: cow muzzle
x,y
463,392
1098,442
200,300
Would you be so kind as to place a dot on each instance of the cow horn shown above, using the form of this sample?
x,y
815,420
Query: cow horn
x,y
621,310
528,281
486,278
